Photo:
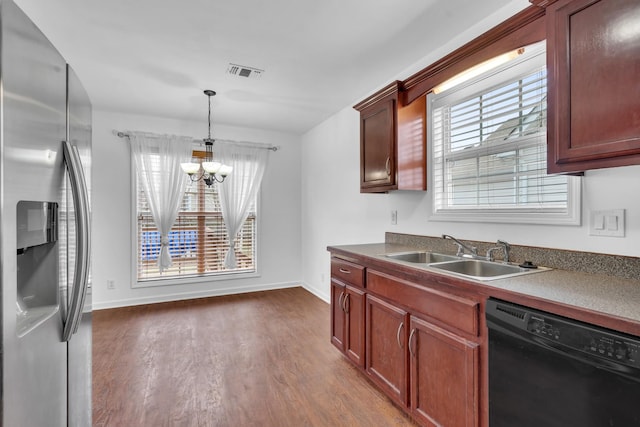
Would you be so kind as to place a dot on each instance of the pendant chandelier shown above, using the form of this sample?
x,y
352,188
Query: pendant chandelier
x,y
212,172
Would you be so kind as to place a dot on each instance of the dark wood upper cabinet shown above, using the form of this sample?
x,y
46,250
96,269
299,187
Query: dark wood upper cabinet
x,y
411,146
593,57
392,142
593,104
378,124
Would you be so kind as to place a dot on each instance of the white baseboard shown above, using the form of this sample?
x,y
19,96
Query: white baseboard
x,y
231,290
322,294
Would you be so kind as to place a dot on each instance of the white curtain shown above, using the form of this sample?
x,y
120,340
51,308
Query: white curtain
x,y
238,191
158,159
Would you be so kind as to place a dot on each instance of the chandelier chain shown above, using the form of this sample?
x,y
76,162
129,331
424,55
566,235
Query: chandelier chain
x,y
209,115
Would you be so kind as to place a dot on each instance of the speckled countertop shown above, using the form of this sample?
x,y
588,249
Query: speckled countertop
x,y
601,293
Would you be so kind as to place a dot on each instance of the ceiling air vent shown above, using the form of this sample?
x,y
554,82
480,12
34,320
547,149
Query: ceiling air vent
x,y
244,71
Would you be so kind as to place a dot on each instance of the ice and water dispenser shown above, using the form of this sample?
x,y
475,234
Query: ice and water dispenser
x,y
38,262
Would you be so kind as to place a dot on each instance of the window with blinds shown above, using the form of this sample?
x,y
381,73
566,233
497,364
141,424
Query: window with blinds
x,y
198,241
489,149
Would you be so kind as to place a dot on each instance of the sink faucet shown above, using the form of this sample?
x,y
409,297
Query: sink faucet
x,y
507,248
490,251
501,245
473,251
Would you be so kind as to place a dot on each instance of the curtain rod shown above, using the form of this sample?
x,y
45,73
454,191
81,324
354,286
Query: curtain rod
x,y
120,134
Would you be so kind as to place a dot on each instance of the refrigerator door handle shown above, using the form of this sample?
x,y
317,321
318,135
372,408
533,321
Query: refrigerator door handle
x,y
81,201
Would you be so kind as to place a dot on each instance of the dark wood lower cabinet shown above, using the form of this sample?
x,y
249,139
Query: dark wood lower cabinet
x,y
429,370
418,343
347,320
353,303
386,343
338,318
444,376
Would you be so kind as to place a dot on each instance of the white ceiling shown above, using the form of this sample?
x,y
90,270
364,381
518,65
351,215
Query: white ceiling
x,y
154,57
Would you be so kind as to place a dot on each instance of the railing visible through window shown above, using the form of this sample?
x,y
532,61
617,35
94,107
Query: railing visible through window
x,y
198,240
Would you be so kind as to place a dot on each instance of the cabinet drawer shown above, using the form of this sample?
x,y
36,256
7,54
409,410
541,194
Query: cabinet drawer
x,y
460,313
347,272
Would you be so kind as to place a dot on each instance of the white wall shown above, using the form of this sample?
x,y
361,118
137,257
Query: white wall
x,y
334,212
311,199
279,232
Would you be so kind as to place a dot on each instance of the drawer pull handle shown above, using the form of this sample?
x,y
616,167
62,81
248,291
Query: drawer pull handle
x,y
411,335
345,271
398,334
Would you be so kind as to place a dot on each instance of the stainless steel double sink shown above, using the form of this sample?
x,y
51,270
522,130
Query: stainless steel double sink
x,y
477,269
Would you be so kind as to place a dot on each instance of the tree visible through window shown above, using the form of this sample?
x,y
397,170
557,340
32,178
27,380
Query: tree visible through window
x,y
198,240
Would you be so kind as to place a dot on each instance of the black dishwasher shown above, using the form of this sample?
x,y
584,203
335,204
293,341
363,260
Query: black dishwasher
x,y
546,370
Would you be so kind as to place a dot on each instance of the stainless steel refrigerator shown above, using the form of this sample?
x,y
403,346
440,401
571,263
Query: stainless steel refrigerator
x,y
45,160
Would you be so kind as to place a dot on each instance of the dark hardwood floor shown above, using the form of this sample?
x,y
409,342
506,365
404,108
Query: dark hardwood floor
x,y
259,359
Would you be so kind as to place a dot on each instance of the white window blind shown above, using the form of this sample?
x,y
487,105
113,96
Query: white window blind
x,y
198,240
489,150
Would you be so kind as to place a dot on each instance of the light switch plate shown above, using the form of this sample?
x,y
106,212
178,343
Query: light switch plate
x,y
607,223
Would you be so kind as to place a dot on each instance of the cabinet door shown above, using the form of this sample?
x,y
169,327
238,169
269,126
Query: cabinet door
x,y
386,347
593,90
444,376
337,314
377,146
354,307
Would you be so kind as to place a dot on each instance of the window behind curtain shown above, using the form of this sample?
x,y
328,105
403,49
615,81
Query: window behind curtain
x,y
198,240
489,149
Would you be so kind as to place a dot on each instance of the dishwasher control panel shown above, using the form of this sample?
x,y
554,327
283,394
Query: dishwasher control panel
x,y
615,348
580,336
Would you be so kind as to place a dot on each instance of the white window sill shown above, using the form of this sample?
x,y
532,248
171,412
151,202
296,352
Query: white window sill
x,y
194,279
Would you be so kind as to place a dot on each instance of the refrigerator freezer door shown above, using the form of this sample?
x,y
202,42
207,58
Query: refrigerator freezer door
x,y
33,109
79,395
79,346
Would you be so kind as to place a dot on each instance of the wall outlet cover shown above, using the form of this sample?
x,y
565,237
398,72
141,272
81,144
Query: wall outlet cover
x,y
607,223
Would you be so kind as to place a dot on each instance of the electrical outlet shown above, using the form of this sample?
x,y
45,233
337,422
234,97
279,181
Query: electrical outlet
x,y
111,284
394,217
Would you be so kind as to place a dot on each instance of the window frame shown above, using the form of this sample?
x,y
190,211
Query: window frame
x,y
207,277
481,84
